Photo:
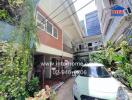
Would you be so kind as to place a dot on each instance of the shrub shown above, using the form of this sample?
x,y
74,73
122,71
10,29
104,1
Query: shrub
x,y
130,80
32,86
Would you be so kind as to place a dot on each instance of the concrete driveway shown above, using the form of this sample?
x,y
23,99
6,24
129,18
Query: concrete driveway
x,y
65,92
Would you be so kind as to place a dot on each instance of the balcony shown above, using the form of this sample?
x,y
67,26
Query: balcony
x,y
88,49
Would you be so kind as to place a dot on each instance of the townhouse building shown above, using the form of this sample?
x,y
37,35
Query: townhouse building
x,y
115,28
56,38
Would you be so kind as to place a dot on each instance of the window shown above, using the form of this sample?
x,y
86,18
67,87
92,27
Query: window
x,y
46,25
80,47
90,49
40,21
101,45
128,11
89,44
49,27
40,25
41,18
97,72
55,33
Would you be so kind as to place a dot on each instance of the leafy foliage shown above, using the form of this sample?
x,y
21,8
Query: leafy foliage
x,y
97,57
110,56
15,55
14,70
32,86
3,14
11,10
123,57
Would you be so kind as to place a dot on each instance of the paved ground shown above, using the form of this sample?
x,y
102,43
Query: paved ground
x,y
129,93
65,92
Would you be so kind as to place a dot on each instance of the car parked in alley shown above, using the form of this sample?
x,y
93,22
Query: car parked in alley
x,y
95,83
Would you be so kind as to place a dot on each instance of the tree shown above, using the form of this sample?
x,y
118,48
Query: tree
x,y
99,57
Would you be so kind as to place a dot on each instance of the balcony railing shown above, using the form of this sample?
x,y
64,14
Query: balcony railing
x,y
89,49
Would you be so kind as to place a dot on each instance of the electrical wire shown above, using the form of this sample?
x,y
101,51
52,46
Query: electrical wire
x,y
59,12
54,11
64,9
58,7
64,19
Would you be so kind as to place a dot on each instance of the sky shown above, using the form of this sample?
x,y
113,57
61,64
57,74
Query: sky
x,y
89,8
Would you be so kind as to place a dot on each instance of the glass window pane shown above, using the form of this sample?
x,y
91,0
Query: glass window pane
x,y
40,25
41,18
49,27
55,32
98,72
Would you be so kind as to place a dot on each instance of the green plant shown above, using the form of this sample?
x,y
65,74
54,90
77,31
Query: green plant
x,y
125,66
16,56
53,95
15,3
14,71
110,51
119,74
129,78
32,86
130,36
99,57
3,14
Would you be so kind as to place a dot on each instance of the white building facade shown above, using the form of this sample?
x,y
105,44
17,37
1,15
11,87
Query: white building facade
x,y
114,28
89,44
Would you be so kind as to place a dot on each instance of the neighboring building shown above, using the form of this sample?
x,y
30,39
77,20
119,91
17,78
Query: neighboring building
x,y
92,40
89,44
115,28
92,24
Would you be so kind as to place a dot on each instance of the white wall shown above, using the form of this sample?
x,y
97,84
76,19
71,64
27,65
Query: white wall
x,y
108,28
90,39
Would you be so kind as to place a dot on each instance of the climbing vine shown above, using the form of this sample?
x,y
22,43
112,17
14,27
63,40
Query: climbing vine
x,y
16,53
11,10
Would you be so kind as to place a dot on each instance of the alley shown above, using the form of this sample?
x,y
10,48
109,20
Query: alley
x,y
65,92
45,44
